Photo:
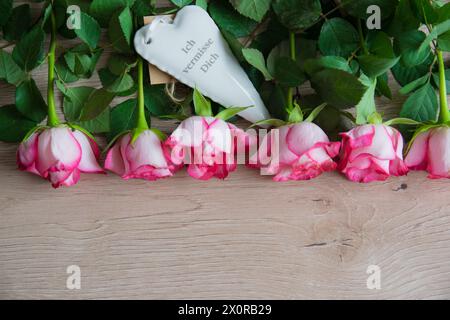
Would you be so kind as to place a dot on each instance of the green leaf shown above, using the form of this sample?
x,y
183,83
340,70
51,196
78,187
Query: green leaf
x,y
447,79
256,59
235,45
338,38
230,20
202,105
29,52
120,64
425,11
383,86
315,113
380,44
123,118
313,66
18,23
89,31
366,107
156,100
254,9
288,73
9,71
74,100
120,30
202,4
405,75
404,121
422,105
181,3
29,101
297,15
415,84
269,122
13,125
444,41
6,7
229,113
409,45
404,19
97,102
374,66
103,10
338,88
63,72
116,84
274,97
305,49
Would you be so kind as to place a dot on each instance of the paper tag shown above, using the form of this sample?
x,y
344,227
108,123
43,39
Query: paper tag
x,y
191,48
156,75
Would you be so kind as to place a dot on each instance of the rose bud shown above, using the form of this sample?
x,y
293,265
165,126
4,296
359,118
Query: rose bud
x,y
207,145
299,151
59,154
143,158
430,151
372,152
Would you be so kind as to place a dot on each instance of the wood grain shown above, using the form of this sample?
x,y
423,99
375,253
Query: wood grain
x,y
246,237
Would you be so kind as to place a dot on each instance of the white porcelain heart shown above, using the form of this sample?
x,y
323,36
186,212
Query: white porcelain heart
x,y
192,50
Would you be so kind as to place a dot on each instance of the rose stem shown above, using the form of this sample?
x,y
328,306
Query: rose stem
x,y
141,121
444,115
290,95
53,120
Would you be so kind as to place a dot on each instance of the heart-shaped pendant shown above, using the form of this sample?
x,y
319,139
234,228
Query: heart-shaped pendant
x,y
191,49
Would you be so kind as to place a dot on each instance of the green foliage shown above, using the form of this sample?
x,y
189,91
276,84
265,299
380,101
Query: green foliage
x,y
422,105
338,88
338,38
29,101
13,125
297,15
89,31
120,30
230,20
18,23
346,64
254,9
29,52
9,70
256,59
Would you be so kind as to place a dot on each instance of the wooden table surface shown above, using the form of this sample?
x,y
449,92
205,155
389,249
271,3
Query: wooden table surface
x,y
245,237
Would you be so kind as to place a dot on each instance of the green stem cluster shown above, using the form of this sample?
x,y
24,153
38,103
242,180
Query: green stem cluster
x,y
53,120
444,115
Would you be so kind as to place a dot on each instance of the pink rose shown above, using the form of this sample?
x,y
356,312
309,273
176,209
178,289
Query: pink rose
x,y
207,145
59,155
143,159
300,151
430,151
372,152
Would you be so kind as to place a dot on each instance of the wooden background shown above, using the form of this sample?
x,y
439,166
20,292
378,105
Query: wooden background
x,y
245,237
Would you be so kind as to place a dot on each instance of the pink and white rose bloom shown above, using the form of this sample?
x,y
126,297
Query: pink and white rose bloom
x,y
207,145
372,152
143,159
59,155
300,151
430,151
